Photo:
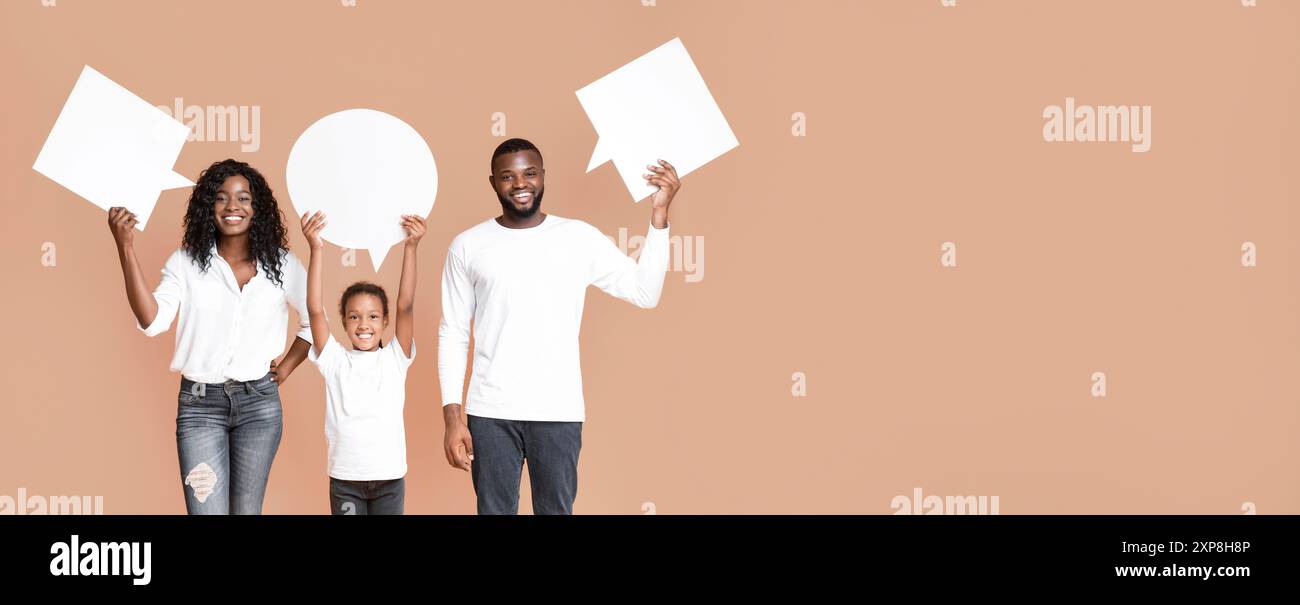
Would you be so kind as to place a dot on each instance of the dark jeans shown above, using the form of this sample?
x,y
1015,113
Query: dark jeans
x,y
500,449
226,437
367,497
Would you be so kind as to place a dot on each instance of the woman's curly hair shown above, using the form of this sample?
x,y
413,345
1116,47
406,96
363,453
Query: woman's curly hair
x,y
266,234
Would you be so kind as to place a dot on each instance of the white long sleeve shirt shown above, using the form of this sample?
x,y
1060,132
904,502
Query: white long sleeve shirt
x,y
225,333
524,289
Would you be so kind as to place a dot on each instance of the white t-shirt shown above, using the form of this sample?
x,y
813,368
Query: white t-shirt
x,y
524,289
224,332
365,393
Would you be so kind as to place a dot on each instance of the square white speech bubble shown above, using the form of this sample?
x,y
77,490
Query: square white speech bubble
x,y
113,148
656,107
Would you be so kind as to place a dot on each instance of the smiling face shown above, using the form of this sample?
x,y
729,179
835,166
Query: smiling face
x,y
519,181
233,208
365,319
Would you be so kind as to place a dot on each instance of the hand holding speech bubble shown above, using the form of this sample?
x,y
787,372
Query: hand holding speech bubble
x,y
656,107
113,148
364,169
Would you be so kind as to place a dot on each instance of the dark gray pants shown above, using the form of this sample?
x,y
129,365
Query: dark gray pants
x,y
500,449
367,497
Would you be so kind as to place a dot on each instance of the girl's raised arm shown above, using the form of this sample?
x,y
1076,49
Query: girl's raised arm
x,y
312,224
405,330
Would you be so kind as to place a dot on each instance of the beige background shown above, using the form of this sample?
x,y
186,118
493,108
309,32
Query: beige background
x,y
821,256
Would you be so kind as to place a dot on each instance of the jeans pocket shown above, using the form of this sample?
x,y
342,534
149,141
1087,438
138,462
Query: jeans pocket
x,y
266,387
192,393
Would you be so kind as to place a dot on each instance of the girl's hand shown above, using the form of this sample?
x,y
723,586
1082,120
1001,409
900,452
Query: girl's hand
x,y
414,226
312,224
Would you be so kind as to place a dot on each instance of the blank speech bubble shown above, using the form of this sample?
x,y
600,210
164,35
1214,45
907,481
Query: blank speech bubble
x,y
364,169
656,107
113,148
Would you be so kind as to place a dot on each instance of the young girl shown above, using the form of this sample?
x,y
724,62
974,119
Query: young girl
x,y
365,388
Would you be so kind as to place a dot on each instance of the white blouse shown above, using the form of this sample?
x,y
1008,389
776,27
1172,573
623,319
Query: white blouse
x,y
225,333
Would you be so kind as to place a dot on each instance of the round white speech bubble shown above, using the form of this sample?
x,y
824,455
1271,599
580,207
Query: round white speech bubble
x,y
364,169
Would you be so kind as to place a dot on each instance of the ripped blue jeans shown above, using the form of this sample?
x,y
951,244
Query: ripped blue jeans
x,y
226,437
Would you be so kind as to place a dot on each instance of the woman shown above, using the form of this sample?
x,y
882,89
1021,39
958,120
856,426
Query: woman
x,y
230,283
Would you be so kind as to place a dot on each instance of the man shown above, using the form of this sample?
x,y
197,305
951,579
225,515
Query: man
x,y
522,279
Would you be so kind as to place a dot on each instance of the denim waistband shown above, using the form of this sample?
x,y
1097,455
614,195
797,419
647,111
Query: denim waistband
x,y
186,383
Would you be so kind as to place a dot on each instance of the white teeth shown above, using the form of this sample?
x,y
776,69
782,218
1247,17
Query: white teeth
x,y
233,219
365,336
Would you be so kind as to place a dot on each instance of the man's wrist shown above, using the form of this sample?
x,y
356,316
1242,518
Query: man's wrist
x,y
659,218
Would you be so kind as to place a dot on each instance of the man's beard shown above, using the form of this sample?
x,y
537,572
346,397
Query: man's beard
x,y
508,207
